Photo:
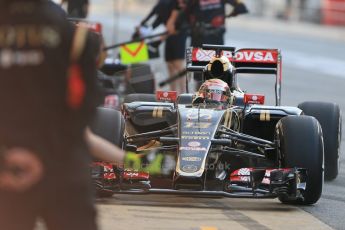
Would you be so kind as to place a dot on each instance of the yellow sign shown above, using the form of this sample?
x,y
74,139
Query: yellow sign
x,y
134,53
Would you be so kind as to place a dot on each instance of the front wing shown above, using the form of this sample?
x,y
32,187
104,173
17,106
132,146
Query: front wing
x,y
242,183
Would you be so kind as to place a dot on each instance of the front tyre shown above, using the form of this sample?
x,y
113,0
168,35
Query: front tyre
x,y
110,125
329,117
300,144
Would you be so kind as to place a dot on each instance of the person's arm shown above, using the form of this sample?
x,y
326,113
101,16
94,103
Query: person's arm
x,y
103,150
172,21
239,7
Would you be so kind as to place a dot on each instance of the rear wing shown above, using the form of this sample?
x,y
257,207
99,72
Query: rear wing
x,y
246,60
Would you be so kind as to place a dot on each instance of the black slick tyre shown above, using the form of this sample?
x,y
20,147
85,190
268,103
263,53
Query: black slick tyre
x,y
329,117
109,124
301,146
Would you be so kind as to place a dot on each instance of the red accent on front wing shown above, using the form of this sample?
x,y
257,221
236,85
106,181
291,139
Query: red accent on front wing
x,y
128,174
243,175
132,175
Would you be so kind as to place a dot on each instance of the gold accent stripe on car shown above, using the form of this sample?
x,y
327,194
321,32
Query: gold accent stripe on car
x,y
160,112
262,115
154,112
265,115
268,115
157,112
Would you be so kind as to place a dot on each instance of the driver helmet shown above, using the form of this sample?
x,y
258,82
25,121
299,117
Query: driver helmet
x,y
214,90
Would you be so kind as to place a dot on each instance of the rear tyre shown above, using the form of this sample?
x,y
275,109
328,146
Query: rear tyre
x,y
301,145
329,117
140,97
109,124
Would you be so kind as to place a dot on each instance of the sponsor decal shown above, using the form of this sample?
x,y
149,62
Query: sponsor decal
x,y
197,125
169,96
244,174
266,179
189,168
203,55
132,174
108,173
248,55
194,144
254,56
254,99
112,101
196,133
195,137
191,159
199,115
193,149
135,175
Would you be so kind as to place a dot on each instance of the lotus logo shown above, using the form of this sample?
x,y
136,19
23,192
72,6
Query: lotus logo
x,y
189,168
194,144
165,94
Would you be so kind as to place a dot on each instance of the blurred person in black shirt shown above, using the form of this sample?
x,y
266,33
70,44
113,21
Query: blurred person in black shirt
x,y
175,44
206,18
77,8
47,98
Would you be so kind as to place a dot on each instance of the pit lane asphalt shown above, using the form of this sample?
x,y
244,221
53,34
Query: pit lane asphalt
x,y
314,69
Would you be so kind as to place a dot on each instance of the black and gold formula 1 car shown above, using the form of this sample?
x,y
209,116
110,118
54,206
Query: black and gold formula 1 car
x,y
239,149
